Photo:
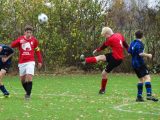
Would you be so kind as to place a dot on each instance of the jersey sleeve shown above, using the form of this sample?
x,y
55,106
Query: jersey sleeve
x,y
124,43
15,43
37,51
103,46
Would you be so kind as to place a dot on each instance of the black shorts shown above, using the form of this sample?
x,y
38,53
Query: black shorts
x,y
5,65
111,62
141,71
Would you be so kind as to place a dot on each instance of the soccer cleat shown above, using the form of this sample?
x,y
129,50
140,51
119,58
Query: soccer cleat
x,y
101,91
152,98
6,94
27,97
139,99
82,58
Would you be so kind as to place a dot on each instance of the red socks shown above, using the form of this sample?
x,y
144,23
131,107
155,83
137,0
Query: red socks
x,y
91,60
103,84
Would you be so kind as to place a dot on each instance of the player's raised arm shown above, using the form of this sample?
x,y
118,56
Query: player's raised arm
x,y
107,42
102,47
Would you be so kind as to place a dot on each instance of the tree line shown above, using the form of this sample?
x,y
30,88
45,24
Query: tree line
x,y
74,28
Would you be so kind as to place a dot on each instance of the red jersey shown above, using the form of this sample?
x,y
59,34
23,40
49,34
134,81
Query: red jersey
x,y
116,42
26,49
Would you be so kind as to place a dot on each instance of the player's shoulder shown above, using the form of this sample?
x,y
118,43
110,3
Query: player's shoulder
x,y
19,38
120,34
34,38
117,35
137,43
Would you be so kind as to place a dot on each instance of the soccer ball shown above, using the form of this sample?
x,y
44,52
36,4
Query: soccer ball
x,y
42,18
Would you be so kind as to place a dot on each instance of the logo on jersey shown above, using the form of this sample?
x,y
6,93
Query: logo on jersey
x,y
26,46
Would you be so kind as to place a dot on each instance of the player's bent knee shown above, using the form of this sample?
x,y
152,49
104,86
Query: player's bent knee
x,y
1,75
147,78
29,77
101,58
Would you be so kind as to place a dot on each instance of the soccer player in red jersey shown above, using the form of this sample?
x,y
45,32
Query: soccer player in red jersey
x,y
27,46
114,40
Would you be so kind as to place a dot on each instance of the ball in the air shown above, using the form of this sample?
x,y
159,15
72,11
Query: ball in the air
x,y
42,18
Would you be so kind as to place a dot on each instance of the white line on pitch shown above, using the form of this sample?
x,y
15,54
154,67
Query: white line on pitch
x,y
120,108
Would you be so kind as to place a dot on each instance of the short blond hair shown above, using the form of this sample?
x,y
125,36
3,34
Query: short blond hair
x,y
107,30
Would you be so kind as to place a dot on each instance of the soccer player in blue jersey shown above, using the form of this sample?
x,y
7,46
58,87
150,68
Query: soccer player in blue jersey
x,y
136,50
6,53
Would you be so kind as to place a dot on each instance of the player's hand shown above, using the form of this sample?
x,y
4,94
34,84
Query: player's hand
x,y
150,56
39,65
94,52
4,59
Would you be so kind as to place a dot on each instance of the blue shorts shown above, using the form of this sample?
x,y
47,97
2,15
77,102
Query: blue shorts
x,y
141,71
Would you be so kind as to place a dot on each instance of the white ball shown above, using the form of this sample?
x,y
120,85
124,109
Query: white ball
x,y
42,18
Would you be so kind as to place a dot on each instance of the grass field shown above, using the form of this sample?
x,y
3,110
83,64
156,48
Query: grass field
x,y
75,97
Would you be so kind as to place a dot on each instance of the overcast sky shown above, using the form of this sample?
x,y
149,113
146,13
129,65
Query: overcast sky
x,y
150,3
153,3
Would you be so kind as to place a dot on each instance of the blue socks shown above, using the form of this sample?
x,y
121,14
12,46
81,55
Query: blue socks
x,y
3,89
148,88
140,89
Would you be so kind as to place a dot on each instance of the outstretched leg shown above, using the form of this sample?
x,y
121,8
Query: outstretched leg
x,y
93,59
2,87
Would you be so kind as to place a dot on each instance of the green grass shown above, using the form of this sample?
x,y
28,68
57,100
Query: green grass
x,y
75,97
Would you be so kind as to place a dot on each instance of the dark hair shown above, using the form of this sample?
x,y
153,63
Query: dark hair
x,y
28,27
139,34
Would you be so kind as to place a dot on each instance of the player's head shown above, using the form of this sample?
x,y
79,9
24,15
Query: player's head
x,y
139,34
106,32
28,31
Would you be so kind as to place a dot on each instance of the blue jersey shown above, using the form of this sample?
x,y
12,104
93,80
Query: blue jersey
x,y
6,51
136,47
